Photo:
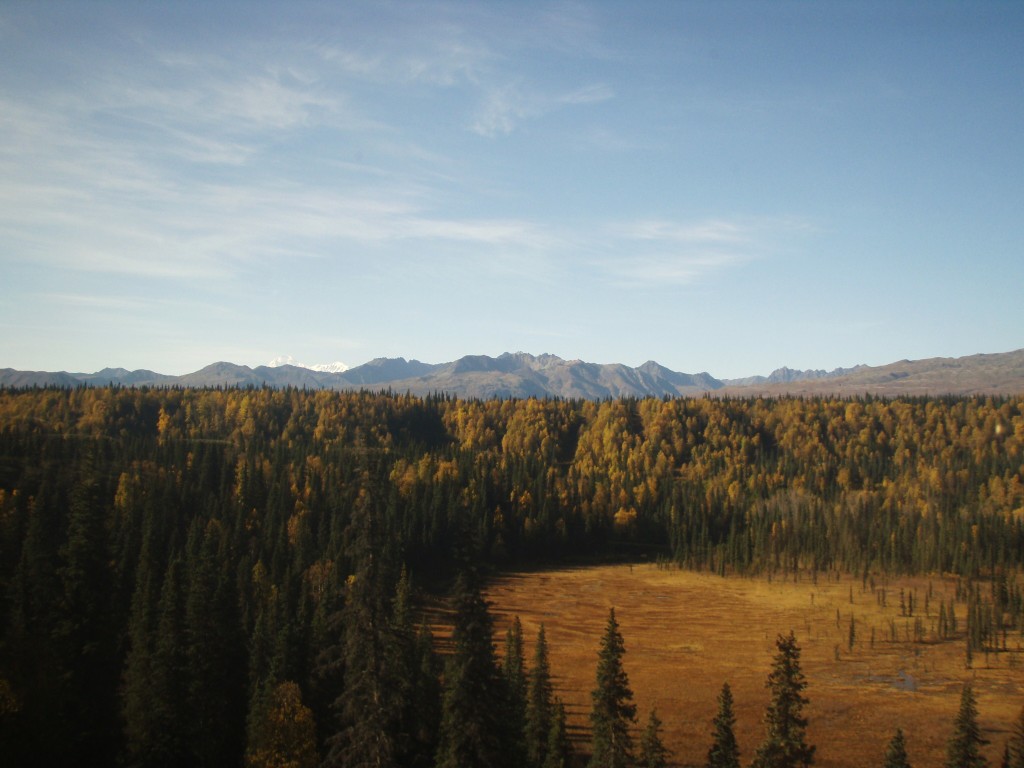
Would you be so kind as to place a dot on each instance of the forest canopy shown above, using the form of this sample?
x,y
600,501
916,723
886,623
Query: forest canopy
x,y
171,558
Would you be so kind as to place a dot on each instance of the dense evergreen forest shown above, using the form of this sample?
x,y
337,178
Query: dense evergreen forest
x,y
191,577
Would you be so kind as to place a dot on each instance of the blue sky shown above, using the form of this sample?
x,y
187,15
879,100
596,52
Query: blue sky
x,y
725,186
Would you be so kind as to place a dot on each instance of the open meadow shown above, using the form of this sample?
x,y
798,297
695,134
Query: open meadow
x,y
686,633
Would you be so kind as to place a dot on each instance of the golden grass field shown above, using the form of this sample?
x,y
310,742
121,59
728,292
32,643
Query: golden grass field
x,y
687,633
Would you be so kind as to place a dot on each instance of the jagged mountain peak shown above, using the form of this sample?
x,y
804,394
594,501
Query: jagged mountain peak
x,y
520,374
283,360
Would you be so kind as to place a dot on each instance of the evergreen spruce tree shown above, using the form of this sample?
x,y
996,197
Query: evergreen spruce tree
x,y
558,749
418,682
784,745
896,752
423,713
613,709
653,753
474,730
85,631
515,678
1015,744
724,751
215,653
539,712
137,712
964,748
370,707
167,741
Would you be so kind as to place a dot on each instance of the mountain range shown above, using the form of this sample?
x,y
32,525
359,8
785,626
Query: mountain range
x,y
524,375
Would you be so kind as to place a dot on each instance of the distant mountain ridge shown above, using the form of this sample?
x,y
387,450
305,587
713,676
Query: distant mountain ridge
x,y
524,375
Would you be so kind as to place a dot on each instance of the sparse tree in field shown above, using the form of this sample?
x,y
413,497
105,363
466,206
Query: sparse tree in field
x,y
613,709
784,745
653,753
724,751
852,637
964,748
896,752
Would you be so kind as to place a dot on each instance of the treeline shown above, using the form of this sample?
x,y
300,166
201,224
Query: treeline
x,y
756,485
178,568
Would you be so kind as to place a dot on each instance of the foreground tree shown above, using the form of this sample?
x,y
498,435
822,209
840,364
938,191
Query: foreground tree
x,y
653,752
724,751
370,706
475,730
539,706
559,749
964,748
785,745
1015,744
896,752
514,668
613,709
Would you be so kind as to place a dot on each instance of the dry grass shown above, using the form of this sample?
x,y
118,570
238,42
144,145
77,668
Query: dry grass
x,y
687,633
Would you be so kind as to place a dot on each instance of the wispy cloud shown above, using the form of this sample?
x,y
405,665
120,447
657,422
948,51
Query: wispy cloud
x,y
710,231
504,107
589,94
92,301
501,110
659,252
445,58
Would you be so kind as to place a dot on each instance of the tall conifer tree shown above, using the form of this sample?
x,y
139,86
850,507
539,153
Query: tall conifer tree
x,y
515,678
475,730
371,705
539,704
964,748
613,711
724,751
784,745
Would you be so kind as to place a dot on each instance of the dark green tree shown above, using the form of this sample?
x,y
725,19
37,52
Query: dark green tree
x,y
558,750
896,752
137,706
724,751
784,745
474,730
215,652
964,747
86,630
539,712
653,752
1015,744
419,682
166,739
613,709
371,704
515,677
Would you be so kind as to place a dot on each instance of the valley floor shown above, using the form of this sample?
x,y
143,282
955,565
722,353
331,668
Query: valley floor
x,y
687,633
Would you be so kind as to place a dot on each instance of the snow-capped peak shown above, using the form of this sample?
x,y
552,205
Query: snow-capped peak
x,y
335,367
